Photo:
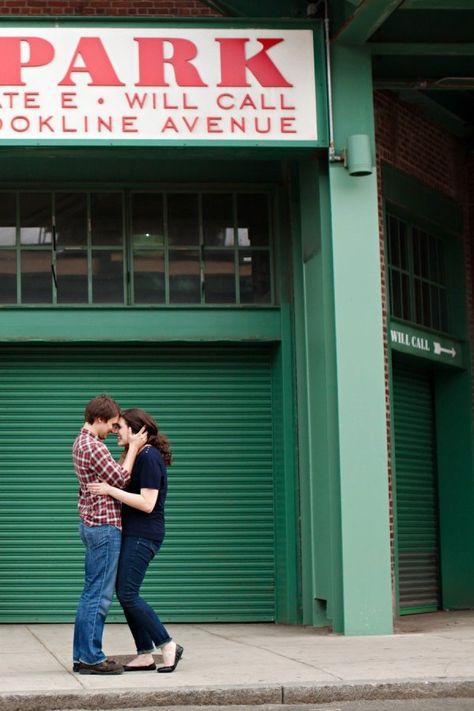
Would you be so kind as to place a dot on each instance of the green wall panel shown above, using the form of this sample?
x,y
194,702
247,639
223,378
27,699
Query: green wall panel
x,y
215,404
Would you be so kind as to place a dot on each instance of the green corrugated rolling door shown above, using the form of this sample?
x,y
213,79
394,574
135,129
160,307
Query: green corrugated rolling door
x,y
215,404
416,491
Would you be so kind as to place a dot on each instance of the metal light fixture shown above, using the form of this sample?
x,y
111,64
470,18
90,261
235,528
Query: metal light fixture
x,y
358,155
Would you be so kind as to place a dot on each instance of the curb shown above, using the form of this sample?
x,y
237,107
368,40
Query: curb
x,y
239,695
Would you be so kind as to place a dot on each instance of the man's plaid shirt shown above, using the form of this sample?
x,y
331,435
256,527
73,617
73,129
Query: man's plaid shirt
x,y
93,461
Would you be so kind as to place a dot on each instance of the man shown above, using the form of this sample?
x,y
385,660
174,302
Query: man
x,y
100,530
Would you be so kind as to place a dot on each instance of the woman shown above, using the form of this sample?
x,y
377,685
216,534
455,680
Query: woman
x,y
143,531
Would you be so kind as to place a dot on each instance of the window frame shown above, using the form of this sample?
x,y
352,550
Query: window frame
x,y
127,246
437,241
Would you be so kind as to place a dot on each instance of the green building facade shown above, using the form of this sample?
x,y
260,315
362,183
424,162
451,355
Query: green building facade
x,y
255,224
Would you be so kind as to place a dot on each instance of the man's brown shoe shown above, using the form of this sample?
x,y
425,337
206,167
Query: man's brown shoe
x,y
108,666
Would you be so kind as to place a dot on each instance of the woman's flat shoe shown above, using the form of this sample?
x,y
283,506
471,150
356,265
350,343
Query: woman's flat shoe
x,y
177,657
146,667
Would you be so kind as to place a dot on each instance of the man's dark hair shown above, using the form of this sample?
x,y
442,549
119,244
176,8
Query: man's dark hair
x,y
102,407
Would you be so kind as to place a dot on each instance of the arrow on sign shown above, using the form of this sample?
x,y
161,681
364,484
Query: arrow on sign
x,y
438,350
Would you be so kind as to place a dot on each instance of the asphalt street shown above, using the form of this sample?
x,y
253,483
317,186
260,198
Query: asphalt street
x,y
445,704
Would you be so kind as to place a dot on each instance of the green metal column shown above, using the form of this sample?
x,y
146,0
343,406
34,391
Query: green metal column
x,y
364,579
317,412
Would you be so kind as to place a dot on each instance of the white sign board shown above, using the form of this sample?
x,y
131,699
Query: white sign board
x,y
157,84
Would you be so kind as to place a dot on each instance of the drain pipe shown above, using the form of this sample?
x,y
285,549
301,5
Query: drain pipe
x,y
333,156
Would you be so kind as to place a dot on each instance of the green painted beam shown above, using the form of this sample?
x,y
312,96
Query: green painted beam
x,y
262,8
366,19
435,85
450,5
140,324
439,49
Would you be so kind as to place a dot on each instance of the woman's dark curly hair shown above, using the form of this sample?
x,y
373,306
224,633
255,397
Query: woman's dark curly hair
x,y
136,419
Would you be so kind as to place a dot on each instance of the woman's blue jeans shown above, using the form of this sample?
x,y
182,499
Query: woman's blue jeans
x,y
145,626
102,544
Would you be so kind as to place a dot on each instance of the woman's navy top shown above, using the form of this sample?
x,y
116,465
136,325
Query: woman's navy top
x,y
149,472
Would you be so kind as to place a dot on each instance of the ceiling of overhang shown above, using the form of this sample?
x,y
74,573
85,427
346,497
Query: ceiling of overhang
x,y
422,49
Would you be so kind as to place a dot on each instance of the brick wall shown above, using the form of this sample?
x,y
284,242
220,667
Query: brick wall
x,y
414,145
110,8
408,141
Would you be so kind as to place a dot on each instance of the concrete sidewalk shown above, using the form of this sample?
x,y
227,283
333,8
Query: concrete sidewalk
x,y
430,655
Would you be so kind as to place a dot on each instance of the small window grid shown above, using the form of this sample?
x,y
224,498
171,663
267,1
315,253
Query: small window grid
x,y
417,275
145,261
58,260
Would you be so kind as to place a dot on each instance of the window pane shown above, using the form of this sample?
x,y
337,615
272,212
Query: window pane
x,y
8,277
392,238
149,277
403,244
183,220
71,220
36,278
218,221
185,281
441,263
400,295
434,271
435,308
426,304
405,298
219,277
71,273
421,251
422,303
147,220
107,277
7,219
252,220
35,218
106,219
395,293
443,300
254,277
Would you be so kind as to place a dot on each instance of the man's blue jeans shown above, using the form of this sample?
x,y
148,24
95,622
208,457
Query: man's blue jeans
x,y
145,625
102,545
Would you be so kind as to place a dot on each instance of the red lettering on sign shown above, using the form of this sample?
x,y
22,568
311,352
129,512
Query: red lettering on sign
x,y
40,51
239,124
44,122
167,105
152,60
186,105
286,124
263,129
190,125
284,106
234,63
128,124
222,105
213,124
247,102
170,126
20,124
68,100
31,100
96,63
65,128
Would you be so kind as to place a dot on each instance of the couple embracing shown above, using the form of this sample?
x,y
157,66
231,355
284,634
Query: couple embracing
x,y
121,506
